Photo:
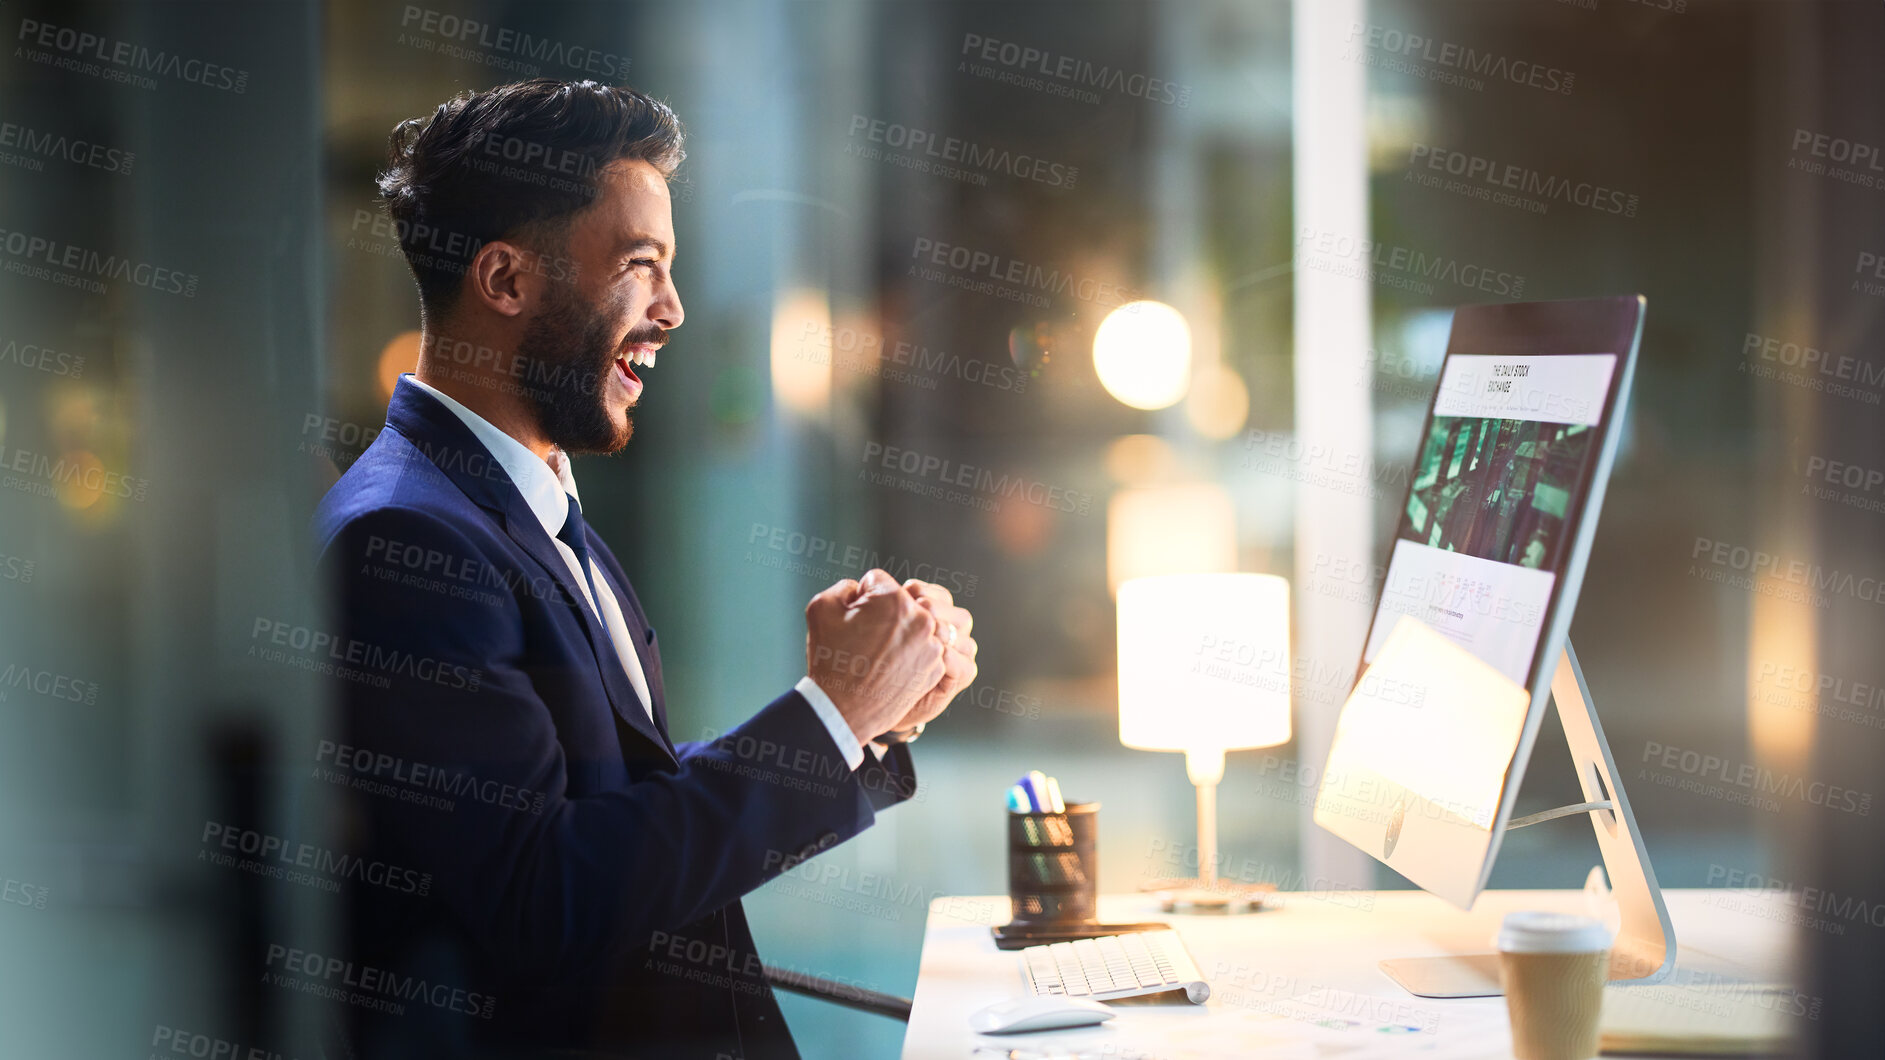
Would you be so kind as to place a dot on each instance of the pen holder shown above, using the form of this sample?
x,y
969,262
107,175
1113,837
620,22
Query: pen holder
x,y
1053,866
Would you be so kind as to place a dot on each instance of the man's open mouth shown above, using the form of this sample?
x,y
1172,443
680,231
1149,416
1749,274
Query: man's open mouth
x,y
642,354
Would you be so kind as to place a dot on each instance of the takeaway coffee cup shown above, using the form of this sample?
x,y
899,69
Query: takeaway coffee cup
x,y
1553,967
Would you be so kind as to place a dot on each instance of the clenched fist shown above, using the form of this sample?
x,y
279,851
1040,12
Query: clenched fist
x,y
952,629
877,651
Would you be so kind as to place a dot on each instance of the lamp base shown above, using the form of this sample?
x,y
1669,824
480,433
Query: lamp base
x,y
1213,896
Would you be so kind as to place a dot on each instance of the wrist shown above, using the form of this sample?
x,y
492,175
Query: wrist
x,y
849,743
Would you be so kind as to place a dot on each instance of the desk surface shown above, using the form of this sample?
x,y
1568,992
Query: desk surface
x,y
1299,979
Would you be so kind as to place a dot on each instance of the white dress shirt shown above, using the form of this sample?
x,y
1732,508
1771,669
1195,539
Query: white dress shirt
x,y
545,484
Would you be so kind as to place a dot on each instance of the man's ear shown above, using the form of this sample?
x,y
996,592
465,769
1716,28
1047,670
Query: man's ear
x,y
505,278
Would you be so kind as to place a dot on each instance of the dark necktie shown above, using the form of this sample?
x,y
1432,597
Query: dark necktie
x,y
574,536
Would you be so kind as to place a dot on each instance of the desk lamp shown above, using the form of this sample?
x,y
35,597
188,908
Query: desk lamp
x,y
1204,668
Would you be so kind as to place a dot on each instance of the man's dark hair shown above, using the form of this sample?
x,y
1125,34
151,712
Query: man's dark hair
x,y
512,162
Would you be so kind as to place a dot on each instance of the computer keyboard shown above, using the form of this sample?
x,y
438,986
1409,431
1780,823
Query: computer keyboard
x,y
1139,962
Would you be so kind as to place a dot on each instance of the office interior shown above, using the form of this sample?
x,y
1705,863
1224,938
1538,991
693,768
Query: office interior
x,y
889,355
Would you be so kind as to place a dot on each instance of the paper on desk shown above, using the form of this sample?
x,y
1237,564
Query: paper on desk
x,y
1285,1036
1205,1041
1704,1019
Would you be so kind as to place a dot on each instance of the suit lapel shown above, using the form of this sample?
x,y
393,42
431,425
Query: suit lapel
x,y
444,439
642,636
614,678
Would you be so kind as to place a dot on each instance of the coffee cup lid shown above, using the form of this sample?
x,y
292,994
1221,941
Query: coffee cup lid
x,y
1541,932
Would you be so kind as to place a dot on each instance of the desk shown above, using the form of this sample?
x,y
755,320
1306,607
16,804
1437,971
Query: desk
x,y
1298,979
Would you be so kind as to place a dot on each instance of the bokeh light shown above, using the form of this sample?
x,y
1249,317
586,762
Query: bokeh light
x,y
82,479
1142,352
1219,403
801,351
1188,528
397,357
1032,346
1140,459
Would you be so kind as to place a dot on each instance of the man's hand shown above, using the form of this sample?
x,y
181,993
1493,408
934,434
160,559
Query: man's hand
x,y
952,629
875,650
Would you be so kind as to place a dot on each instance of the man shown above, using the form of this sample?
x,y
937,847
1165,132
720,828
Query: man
x,y
581,871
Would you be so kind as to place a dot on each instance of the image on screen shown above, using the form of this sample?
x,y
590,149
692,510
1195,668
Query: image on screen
x,y
1492,502
1497,489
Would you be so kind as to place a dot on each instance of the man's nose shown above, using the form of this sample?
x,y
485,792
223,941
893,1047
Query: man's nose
x,y
666,310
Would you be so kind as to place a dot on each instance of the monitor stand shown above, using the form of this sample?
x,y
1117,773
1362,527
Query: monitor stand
x,y
1645,949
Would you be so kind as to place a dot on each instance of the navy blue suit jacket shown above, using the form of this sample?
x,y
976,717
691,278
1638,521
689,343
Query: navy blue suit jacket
x,y
585,871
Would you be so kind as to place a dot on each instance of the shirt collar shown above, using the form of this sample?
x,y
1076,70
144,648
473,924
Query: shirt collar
x,y
544,483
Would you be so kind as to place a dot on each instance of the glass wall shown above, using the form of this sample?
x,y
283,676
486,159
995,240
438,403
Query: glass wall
x,y
901,227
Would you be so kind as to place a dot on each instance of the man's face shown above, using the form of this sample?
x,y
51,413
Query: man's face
x,y
593,333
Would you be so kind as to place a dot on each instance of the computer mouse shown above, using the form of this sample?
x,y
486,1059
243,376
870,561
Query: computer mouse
x,y
1039,1014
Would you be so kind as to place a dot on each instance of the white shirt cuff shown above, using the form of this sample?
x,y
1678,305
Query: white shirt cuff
x,y
835,724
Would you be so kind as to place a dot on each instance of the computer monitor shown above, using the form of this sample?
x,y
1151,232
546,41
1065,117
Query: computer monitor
x,y
1469,629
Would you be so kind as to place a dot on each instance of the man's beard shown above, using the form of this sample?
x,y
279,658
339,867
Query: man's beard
x,y
568,351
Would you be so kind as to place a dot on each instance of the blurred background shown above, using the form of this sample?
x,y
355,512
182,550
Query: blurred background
x,y
890,359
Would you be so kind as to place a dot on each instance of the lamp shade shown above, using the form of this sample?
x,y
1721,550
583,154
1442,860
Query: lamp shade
x,y
1204,662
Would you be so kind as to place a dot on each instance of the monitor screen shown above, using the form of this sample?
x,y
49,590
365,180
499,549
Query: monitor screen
x,y
1482,577
1485,533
